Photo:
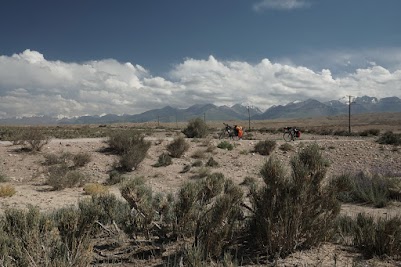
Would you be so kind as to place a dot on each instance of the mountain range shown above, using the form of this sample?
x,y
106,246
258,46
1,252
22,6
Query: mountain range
x,y
298,109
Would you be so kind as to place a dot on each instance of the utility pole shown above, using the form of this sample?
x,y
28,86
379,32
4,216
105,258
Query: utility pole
x,y
349,113
249,119
158,120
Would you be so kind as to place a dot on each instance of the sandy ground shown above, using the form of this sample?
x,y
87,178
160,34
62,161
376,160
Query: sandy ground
x,y
27,172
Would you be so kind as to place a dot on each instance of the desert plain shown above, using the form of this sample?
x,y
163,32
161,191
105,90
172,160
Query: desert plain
x,y
27,171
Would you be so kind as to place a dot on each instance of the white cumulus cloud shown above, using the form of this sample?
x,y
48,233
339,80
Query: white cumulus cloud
x,y
32,85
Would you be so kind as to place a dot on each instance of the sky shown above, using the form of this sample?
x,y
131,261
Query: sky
x,y
72,58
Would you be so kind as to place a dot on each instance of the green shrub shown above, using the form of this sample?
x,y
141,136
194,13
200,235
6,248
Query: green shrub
x,y
186,168
52,159
210,148
218,225
106,209
197,163
201,173
131,159
81,159
265,147
164,160
206,142
286,147
3,178
212,162
324,131
196,128
248,136
30,238
292,213
370,132
60,177
139,198
122,142
225,145
115,177
77,160
131,146
269,130
362,188
146,209
209,211
177,147
390,138
75,232
374,237
248,181
199,154
186,208
244,152
32,139
342,133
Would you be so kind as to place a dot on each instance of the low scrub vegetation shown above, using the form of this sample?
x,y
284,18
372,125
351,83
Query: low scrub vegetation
x,y
375,189
248,181
53,159
286,147
32,139
196,128
370,132
390,138
197,163
291,213
3,178
72,160
61,238
375,237
61,177
163,160
10,133
131,146
177,147
212,162
216,221
225,145
265,147
269,130
199,154
81,159
115,177
202,172
29,238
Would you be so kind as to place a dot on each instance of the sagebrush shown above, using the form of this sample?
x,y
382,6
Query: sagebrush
x,y
196,128
292,212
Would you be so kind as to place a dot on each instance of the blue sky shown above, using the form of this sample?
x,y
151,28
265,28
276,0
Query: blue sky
x,y
70,58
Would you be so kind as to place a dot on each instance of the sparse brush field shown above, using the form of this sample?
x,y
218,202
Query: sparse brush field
x,y
146,195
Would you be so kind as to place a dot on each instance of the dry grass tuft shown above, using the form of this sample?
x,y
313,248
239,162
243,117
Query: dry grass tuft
x,y
95,189
7,190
